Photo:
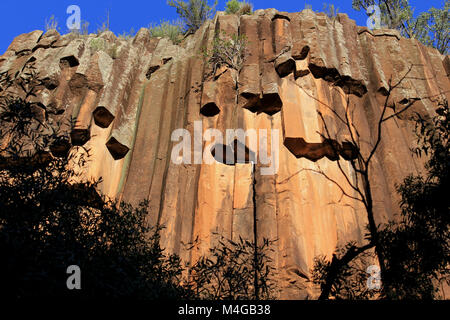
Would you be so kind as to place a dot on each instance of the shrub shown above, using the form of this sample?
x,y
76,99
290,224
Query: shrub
x,y
238,7
331,11
48,223
227,51
105,25
235,270
193,13
232,7
127,35
99,44
246,8
51,24
165,29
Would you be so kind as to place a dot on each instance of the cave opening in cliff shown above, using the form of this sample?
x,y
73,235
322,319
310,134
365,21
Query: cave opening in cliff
x,y
102,117
210,110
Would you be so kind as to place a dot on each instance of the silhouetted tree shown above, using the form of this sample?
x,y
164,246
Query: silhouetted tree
x,y
429,27
338,277
417,249
52,218
229,272
193,12
49,221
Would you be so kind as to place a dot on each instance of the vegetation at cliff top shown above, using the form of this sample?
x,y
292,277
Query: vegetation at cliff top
x,y
168,29
238,7
432,27
193,12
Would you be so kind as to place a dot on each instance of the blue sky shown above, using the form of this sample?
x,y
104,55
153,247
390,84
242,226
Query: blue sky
x,y
19,17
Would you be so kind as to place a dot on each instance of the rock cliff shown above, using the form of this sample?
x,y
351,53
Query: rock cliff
x,y
129,96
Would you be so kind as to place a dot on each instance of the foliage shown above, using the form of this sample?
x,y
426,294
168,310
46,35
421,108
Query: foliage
x,y
238,7
127,35
23,127
417,249
349,278
105,25
84,28
166,29
430,27
418,265
227,50
246,8
232,6
51,24
234,271
48,223
330,10
193,12
100,44
51,218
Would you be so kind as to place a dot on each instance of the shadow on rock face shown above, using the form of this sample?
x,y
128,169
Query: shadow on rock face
x,y
232,154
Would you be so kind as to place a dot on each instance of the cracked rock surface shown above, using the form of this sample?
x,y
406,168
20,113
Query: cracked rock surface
x,y
128,96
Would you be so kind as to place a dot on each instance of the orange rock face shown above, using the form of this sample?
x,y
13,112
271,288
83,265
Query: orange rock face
x,y
129,96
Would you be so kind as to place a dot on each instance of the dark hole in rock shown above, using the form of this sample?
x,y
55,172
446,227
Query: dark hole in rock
x,y
383,91
271,103
328,74
151,70
348,84
312,151
50,83
102,117
117,150
60,148
252,103
210,110
302,55
332,148
301,73
80,136
249,95
351,86
237,152
223,153
242,154
69,61
348,151
280,16
404,101
165,60
285,68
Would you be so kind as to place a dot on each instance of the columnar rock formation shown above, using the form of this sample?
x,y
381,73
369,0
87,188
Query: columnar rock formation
x,y
130,95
